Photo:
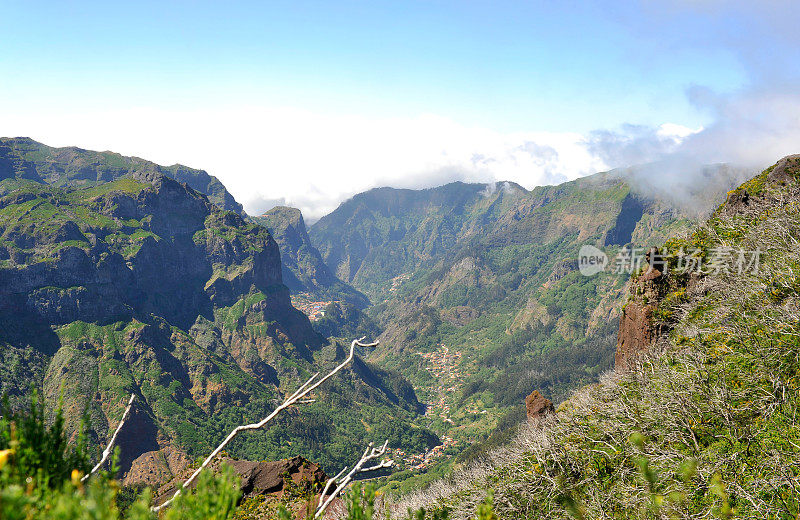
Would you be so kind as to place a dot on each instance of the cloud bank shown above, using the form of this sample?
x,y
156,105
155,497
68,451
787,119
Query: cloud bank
x,y
285,156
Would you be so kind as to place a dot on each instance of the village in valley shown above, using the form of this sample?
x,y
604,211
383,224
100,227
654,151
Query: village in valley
x,y
312,308
442,364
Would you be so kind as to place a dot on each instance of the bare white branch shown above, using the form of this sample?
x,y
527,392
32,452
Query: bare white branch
x,y
329,482
369,454
110,446
297,397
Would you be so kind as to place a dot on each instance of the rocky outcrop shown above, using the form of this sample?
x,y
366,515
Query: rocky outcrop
x,y
637,330
153,468
537,406
261,478
786,170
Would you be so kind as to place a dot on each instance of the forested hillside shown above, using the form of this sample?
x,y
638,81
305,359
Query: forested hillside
x,y
700,420
477,287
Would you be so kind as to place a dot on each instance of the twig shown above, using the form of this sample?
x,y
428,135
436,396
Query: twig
x,y
296,397
110,446
369,454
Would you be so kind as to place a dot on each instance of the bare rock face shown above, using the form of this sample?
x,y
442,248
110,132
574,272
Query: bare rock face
x,y
155,467
637,331
656,264
261,478
786,170
537,405
738,201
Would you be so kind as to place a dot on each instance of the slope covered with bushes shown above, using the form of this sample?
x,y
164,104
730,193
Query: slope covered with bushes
x,y
704,424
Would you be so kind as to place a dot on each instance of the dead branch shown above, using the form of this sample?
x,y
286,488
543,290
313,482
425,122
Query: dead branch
x,y
369,454
110,446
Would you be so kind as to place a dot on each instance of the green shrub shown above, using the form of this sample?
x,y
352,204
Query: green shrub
x,y
38,451
40,478
214,498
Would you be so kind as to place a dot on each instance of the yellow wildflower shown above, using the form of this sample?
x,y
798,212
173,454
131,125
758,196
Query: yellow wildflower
x,y
4,454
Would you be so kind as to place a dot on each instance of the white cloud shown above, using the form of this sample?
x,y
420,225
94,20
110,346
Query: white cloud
x,y
286,156
310,160
676,132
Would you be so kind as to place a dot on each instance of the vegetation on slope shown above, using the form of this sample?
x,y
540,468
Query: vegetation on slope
x,y
489,279
24,159
41,478
45,477
140,285
706,424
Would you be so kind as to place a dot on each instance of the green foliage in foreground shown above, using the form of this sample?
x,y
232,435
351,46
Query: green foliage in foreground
x,y
41,472
40,478
40,454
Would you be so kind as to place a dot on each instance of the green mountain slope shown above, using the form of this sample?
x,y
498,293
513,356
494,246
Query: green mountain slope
x,y
700,420
477,287
24,158
142,285
304,271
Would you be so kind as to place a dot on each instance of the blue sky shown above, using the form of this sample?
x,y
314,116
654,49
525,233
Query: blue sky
x,y
459,90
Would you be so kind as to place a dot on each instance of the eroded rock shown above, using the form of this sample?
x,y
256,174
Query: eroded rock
x,y
537,405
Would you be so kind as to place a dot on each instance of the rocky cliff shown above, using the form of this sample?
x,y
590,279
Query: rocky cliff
x,y
637,329
104,280
142,285
304,271
655,291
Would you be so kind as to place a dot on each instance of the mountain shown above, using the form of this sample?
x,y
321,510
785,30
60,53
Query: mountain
x,y
304,271
478,291
24,158
385,232
112,284
699,419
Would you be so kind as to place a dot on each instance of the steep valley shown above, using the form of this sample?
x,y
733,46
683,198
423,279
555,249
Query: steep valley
x,y
478,292
699,419
118,277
